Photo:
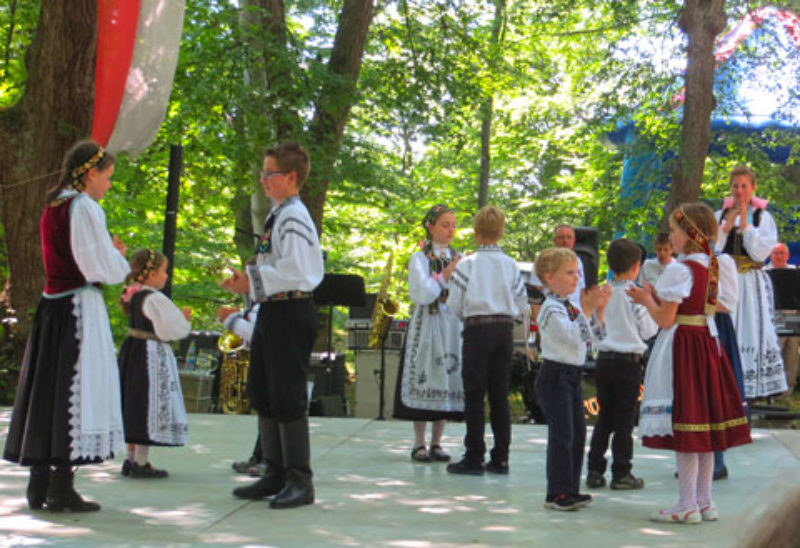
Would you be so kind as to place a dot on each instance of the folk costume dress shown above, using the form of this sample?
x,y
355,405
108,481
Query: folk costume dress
x,y
152,402
429,385
728,297
690,402
67,408
754,319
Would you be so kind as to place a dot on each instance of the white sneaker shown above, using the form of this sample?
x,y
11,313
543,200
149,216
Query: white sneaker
x,y
684,516
709,512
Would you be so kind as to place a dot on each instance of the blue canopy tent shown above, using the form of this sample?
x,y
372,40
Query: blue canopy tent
x,y
756,99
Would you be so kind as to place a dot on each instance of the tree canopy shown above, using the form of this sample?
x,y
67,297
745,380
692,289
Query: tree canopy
x,y
560,75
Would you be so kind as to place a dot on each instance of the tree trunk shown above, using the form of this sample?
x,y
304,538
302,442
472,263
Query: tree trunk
x,y
702,21
54,112
335,100
487,108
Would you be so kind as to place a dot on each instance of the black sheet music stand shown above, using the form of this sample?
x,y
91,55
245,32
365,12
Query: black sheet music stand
x,y
338,290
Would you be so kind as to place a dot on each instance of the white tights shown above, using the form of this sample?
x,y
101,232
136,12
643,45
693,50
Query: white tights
x,y
695,473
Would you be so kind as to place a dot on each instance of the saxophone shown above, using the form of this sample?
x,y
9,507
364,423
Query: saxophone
x,y
233,374
384,309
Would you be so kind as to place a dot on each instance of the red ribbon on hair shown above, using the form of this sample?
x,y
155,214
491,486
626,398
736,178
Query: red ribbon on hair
x,y
695,235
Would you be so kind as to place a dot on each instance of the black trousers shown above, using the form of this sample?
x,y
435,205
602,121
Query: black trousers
x,y
618,377
280,353
487,350
559,389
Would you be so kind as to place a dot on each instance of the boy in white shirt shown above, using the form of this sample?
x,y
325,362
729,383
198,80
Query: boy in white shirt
x,y
652,268
565,330
487,292
618,375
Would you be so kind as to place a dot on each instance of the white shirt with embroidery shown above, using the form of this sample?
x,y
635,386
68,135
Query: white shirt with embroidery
x,y
487,283
294,262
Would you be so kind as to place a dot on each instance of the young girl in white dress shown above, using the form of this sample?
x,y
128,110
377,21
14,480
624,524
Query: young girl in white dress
x,y
67,410
429,386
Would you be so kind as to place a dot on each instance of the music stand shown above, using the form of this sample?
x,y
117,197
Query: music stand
x,y
339,290
785,288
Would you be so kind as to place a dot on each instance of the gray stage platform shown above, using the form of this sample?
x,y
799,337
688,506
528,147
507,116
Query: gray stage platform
x,y
370,494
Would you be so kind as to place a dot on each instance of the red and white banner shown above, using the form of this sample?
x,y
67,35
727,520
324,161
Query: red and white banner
x,y
137,52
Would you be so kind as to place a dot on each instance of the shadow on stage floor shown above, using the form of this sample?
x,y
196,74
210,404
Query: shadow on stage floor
x,y
370,494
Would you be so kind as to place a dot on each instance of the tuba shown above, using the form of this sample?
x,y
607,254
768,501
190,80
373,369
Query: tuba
x,y
384,309
233,373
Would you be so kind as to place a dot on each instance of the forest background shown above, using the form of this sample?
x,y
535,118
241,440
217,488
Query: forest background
x,y
458,102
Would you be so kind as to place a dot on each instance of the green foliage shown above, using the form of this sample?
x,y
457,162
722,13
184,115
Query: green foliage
x,y
562,74
17,25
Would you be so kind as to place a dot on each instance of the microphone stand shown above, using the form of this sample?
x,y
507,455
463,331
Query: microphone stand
x,y
382,376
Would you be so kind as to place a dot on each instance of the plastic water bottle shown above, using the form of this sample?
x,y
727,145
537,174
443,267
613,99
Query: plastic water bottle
x,y
191,357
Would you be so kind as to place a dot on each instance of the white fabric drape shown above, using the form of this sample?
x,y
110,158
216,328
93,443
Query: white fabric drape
x,y
150,77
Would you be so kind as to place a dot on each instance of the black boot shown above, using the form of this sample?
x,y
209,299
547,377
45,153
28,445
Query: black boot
x,y
37,486
273,479
62,495
299,490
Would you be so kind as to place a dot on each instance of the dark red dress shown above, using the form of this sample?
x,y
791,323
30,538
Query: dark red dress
x,y
707,412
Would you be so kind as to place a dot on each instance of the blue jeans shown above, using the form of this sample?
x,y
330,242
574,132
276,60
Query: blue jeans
x,y
559,389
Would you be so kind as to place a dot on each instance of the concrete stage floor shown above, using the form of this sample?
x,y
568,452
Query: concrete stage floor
x,y
370,494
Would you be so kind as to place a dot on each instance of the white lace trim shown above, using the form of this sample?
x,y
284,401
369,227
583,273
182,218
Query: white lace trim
x,y
166,416
86,446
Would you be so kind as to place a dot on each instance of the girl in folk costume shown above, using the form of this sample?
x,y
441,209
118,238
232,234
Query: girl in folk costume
x,y
748,233
690,403
152,402
429,386
726,302
67,406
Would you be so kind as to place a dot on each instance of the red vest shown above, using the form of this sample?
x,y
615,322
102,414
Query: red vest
x,y
61,271
694,304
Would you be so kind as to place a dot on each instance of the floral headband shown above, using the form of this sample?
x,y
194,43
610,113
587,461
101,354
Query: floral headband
x,y
149,265
434,213
86,166
697,236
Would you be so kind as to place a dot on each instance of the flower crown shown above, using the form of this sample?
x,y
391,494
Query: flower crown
x,y
86,166
148,266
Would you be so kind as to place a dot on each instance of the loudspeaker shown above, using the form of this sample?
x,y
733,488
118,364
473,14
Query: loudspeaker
x,y
368,366
329,376
586,239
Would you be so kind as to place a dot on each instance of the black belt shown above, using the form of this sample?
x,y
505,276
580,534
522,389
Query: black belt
x,y
492,318
289,296
619,356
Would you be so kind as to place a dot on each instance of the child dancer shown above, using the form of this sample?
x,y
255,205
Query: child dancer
x,y
67,408
429,380
652,268
726,303
152,402
289,267
619,372
690,402
487,291
565,331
